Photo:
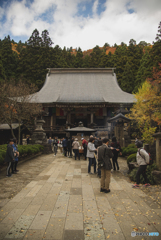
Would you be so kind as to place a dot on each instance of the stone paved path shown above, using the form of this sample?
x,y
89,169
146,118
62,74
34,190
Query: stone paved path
x,y
60,201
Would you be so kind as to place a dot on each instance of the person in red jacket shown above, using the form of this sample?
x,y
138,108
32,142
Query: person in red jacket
x,y
84,145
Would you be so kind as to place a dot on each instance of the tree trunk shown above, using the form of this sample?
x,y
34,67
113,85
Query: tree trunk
x,y
19,133
13,135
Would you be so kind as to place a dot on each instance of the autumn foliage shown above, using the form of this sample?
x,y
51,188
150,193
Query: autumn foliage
x,y
147,110
15,104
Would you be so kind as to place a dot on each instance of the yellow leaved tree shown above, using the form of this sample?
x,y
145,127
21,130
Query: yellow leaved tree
x,y
146,112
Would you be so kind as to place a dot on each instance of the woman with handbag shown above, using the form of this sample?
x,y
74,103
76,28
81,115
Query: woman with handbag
x,y
75,146
90,154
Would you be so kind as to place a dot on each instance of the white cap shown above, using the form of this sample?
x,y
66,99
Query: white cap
x,y
82,139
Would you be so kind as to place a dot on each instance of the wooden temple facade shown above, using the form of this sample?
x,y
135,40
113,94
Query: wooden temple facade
x,y
87,95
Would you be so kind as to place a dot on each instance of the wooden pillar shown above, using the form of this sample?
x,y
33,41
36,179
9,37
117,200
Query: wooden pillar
x,y
92,117
69,117
51,121
158,149
54,120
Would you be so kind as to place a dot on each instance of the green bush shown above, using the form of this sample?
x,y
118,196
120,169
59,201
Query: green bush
x,y
132,145
3,147
131,158
149,170
1,158
128,151
2,155
24,150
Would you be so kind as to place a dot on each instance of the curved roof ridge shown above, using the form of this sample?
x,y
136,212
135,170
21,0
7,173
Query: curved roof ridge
x,y
82,86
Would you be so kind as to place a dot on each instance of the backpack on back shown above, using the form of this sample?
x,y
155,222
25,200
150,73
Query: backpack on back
x,y
150,162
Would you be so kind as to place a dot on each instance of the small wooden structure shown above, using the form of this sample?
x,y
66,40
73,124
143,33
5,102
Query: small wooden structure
x,y
79,129
120,132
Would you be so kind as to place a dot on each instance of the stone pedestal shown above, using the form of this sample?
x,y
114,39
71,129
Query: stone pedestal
x,y
158,149
39,136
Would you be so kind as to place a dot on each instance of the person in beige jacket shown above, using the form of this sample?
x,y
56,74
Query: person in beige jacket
x,y
76,146
142,158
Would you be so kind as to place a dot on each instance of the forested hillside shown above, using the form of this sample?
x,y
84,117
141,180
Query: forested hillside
x,y
29,61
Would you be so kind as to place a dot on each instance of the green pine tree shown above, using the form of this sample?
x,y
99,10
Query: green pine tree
x,y
9,59
127,82
96,57
2,71
45,39
78,61
144,71
119,60
35,40
156,49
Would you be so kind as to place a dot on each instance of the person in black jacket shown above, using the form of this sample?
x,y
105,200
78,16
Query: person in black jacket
x,y
65,145
55,145
104,162
69,147
116,150
9,158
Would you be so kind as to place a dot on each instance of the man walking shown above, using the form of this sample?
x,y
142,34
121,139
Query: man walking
x,y
9,158
142,158
55,145
104,162
65,144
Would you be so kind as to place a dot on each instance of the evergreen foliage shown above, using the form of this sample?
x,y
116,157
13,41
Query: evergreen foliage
x,y
24,150
144,71
133,63
9,59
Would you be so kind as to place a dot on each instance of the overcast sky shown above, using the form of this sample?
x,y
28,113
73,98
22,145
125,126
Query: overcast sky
x,y
81,23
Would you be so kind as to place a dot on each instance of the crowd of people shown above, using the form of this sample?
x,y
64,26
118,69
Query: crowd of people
x,y
98,151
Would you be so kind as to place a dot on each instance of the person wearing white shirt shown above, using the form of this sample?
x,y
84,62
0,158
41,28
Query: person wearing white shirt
x,y
142,158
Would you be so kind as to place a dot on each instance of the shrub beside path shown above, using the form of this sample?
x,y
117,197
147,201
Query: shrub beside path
x,y
55,198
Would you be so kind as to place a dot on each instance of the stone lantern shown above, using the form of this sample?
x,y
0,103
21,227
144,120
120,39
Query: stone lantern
x,y
39,135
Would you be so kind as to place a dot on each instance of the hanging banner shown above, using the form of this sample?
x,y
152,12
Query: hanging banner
x,y
59,112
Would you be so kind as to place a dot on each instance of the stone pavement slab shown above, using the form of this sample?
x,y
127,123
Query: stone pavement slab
x,y
55,228
74,221
63,202
20,227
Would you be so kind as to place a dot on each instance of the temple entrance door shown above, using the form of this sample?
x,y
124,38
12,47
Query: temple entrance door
x,y
83,120
88,119
76,119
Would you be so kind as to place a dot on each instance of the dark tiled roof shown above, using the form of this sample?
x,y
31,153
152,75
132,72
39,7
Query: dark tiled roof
x,y
119,116
5,126
82,86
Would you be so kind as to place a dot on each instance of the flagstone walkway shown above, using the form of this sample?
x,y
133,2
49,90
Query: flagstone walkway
x,y
60,201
